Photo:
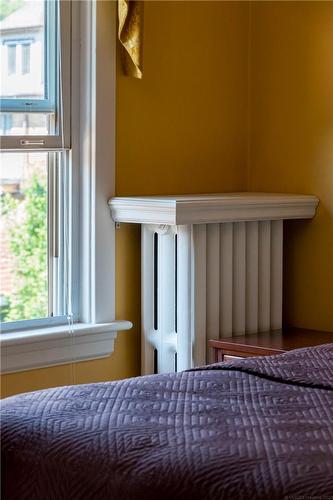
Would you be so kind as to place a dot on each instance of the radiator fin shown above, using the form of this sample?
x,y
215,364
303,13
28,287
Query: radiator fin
x,y
202,282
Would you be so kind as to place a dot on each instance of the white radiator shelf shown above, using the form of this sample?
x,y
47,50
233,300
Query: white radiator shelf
x,y
210,208
211,268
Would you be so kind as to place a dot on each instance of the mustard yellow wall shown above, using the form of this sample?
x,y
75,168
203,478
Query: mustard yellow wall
x,y
182,129
291,142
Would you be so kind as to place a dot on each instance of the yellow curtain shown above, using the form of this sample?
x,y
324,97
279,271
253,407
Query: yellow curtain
x,y
130,14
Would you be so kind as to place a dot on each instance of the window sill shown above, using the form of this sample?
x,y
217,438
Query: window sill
x,y
43,347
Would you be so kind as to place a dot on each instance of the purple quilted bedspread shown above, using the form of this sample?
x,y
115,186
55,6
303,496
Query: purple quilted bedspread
x,y
260,428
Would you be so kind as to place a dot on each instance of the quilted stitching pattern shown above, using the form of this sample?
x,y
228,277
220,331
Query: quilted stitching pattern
x,y
222,433
308,367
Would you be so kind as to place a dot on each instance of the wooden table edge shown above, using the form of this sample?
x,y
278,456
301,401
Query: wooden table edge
x,y
233,347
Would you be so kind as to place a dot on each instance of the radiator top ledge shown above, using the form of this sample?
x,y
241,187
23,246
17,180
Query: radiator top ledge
x,y
212,208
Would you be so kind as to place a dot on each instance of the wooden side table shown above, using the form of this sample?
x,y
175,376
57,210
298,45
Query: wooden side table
x,y
267,343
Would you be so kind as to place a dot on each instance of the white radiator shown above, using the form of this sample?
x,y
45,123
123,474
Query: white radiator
x,y
207,281
211,268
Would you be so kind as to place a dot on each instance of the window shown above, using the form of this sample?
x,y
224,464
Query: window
x,y
25,65
35,177
11,58
36,87
18,53
75,174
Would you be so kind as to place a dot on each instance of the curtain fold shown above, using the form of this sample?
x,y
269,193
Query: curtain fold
x,y
130,34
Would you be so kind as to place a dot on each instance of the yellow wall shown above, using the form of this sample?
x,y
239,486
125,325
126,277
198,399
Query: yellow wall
x,y
182,129
292,142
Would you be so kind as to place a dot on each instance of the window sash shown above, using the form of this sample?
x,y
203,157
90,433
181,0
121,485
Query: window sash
x,y
59,103
59,247
48,103
58,87
33,143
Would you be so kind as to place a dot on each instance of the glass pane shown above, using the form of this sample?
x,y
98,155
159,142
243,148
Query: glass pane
x,y
26,58
26,123
24,236
22,45
11,53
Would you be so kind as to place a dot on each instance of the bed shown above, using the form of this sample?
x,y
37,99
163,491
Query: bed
x,y
258,428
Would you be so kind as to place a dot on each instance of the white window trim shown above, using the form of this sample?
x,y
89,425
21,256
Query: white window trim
x,y
46,347
93,147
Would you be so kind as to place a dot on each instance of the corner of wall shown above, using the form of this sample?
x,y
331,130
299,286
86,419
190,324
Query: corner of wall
x,y
249,92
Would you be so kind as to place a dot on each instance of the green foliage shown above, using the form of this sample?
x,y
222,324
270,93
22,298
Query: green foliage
x,y
4,308
9,6
28,243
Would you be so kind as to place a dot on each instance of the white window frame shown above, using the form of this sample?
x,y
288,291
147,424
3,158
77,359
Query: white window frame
x,y
58,97
57,277
93,156
60,139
